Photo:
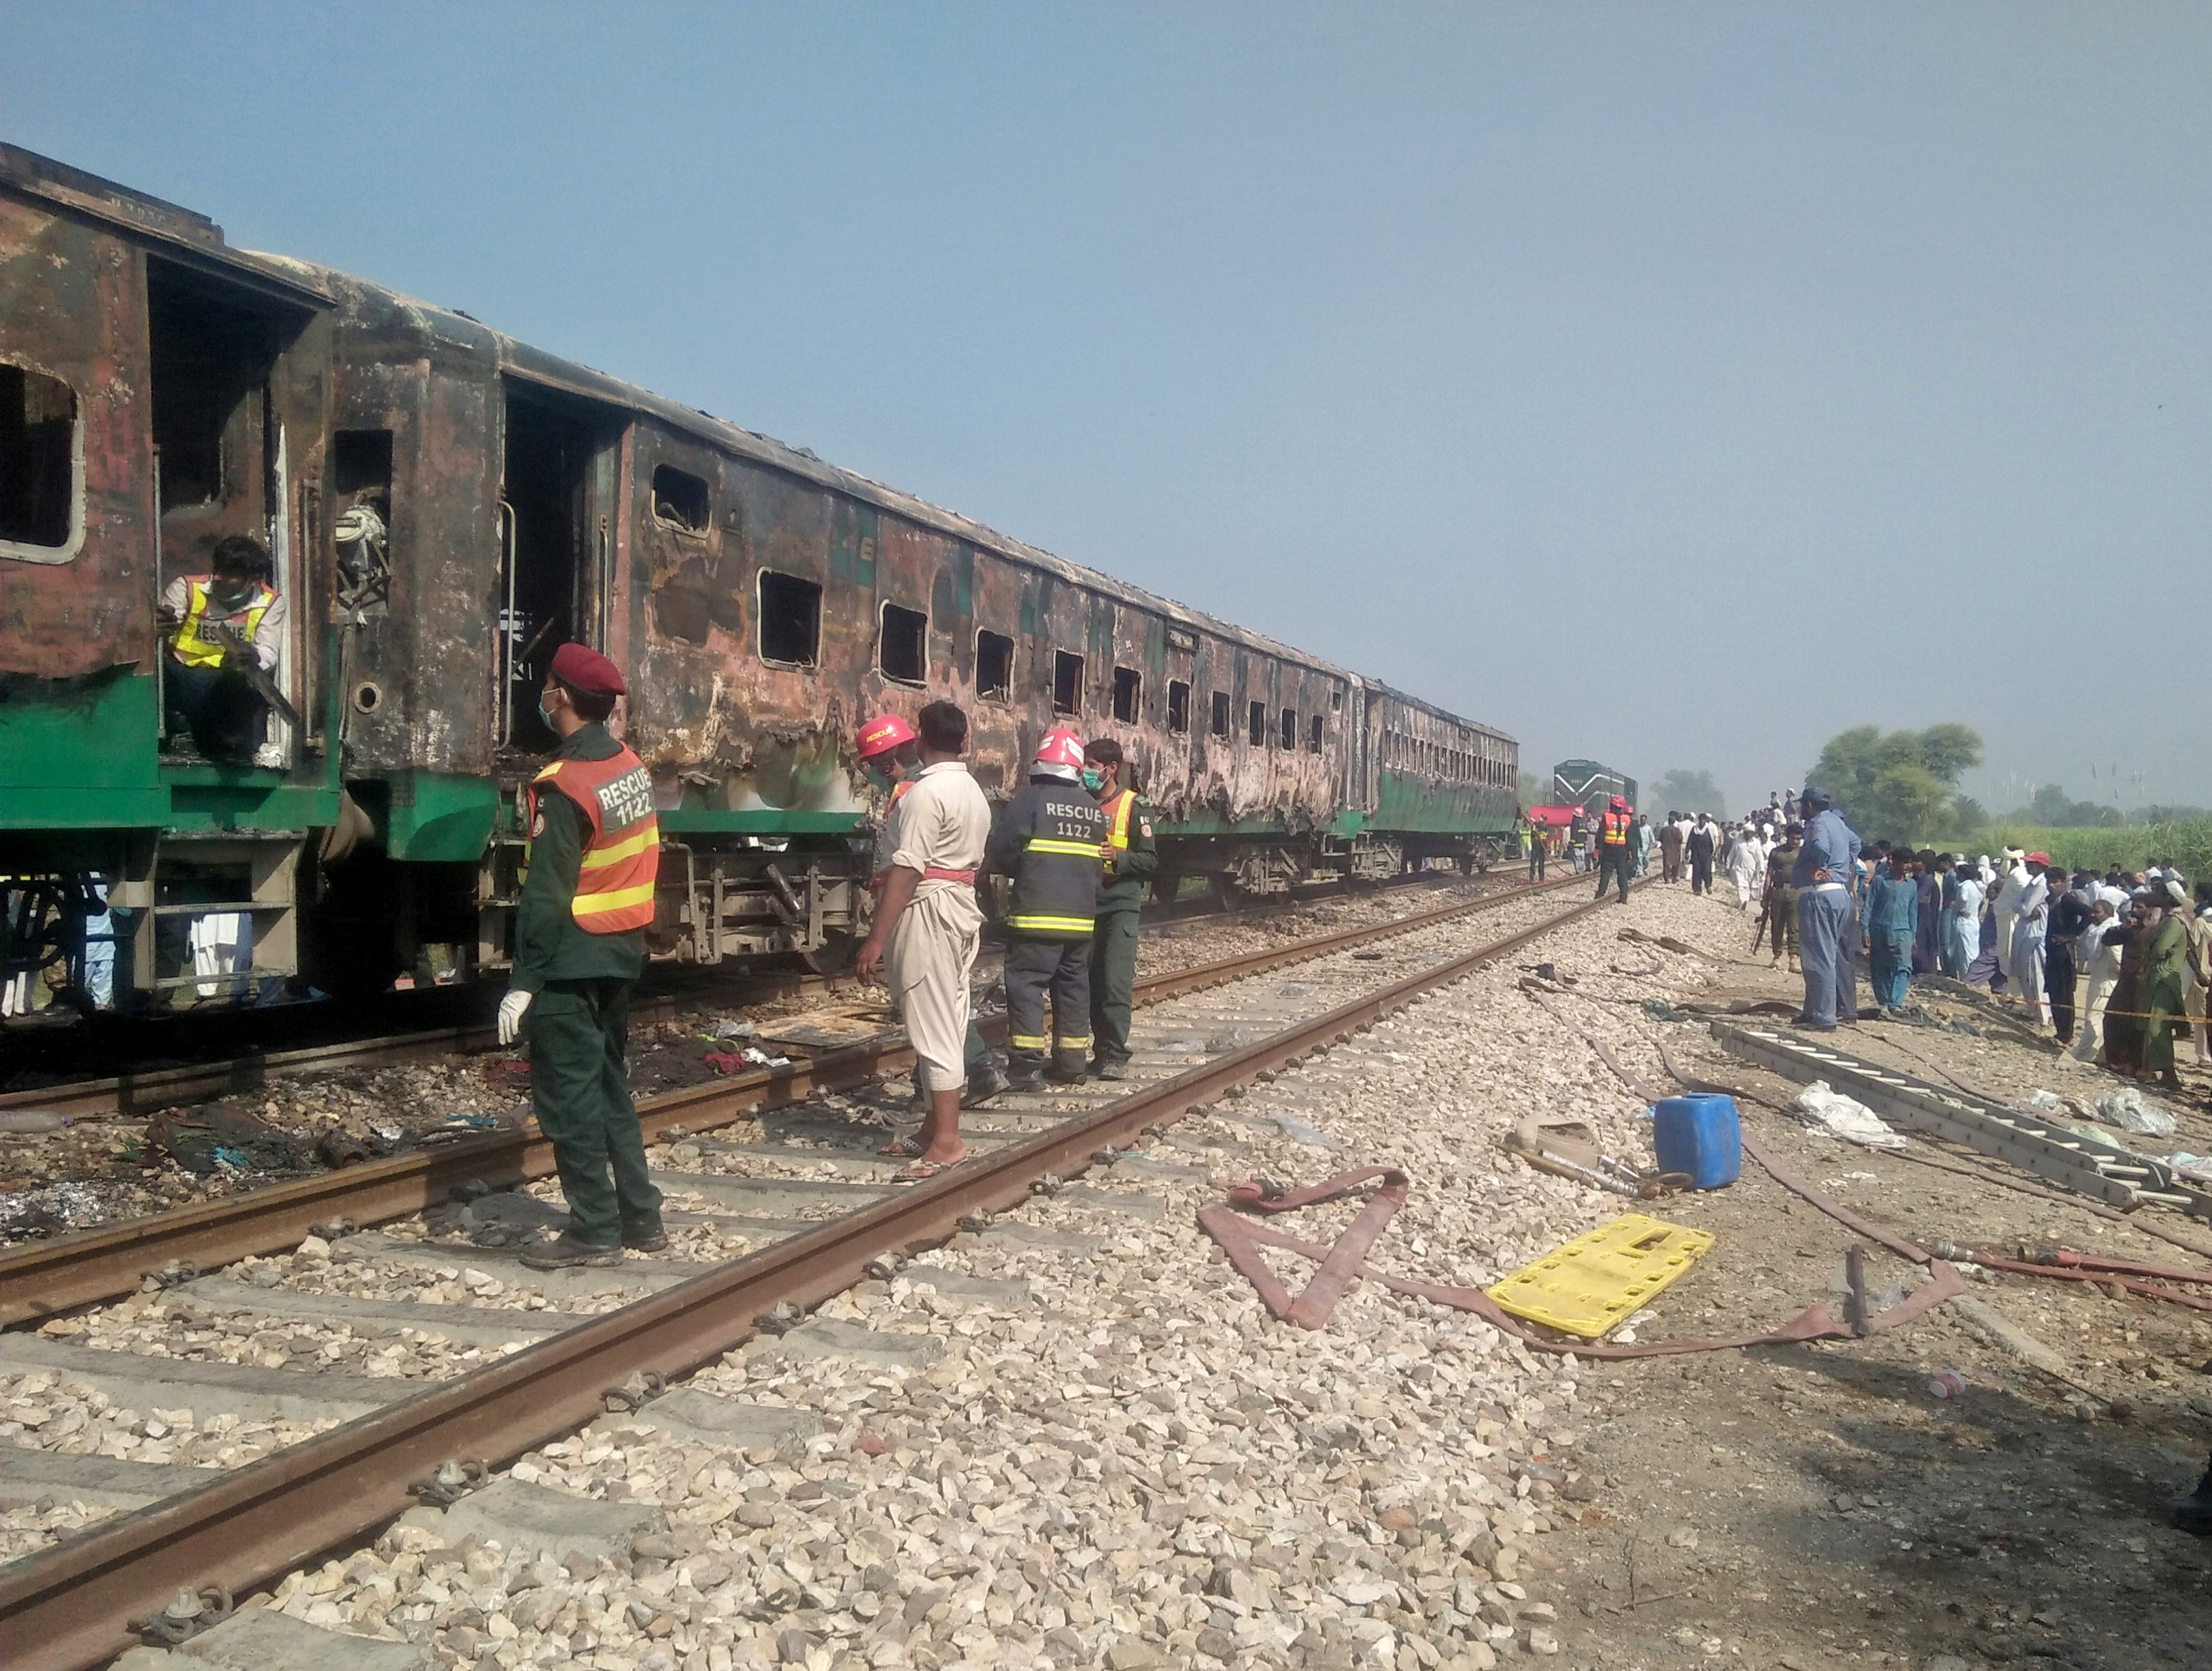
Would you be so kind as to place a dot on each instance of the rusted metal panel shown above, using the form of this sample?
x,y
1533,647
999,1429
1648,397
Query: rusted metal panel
x,y
431,381
72,307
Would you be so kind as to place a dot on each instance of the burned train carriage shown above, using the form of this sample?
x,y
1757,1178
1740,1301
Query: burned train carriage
x,y
446,506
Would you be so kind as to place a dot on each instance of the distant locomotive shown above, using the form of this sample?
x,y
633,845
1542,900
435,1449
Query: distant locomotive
x,y
446,506
1586,784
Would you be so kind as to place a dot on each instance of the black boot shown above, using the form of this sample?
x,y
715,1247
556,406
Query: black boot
x,y
2194,1512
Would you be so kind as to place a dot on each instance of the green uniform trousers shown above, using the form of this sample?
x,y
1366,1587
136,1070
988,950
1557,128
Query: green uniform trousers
x,y
579,1090
1113,983
1613,862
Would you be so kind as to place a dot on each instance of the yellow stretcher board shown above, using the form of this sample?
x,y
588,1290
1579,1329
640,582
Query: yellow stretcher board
x,y
1597,1282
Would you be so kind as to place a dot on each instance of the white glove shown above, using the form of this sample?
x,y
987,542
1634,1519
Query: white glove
x,y
511,1009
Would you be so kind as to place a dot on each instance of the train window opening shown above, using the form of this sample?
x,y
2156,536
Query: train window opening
x,y
680,499
1220,727
360,477
994,666
1286,735
790,620
1128,692
1178,706
1066,682
1255,724
1314,736
41,462
902,645
1336,701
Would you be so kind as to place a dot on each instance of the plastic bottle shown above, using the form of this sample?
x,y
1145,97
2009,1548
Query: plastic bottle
x,y
1949,1384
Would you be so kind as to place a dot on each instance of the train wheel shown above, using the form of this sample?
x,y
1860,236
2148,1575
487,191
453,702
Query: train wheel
x,y
834,956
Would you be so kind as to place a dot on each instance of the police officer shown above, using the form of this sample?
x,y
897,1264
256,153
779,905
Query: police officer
x,y
1048,839
1131,860
1615,833
890,759
579,926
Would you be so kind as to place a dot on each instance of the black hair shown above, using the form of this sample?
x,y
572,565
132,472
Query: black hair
x,y
944,728
1103,751
240,554
592,706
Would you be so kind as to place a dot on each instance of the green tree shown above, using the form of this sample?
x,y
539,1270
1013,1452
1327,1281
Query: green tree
x,y
1899,784
1686,792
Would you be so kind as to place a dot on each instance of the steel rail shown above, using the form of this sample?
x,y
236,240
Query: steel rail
x,y
41,1279
69,1607
147,1091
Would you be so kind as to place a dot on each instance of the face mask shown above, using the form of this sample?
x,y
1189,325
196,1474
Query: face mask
x,y
544,714
229,594
876,776
1093,781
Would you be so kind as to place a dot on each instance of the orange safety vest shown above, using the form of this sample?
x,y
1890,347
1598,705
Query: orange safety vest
x,y
1116,811
622,861
1613,829
192,648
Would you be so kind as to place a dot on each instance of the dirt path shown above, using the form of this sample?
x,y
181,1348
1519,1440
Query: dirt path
x,y
1815,1506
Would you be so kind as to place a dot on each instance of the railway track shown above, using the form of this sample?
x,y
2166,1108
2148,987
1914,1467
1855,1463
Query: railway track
x,y
805,1214
146,1090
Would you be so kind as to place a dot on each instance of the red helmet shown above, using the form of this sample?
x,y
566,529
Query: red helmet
x,y
1620,803
1060,754
882,734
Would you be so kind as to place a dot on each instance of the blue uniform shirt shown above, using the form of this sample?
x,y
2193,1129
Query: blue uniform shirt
x,y
1830,846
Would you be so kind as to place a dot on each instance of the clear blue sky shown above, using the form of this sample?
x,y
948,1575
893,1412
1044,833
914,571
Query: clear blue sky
x,y
1673,385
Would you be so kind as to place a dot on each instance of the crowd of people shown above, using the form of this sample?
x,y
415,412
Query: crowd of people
x,y
2119,966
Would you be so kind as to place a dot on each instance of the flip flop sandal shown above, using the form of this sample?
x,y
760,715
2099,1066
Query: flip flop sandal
x,y
901,1148
922,1171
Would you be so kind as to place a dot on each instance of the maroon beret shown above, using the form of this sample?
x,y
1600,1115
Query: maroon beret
x,y
586,669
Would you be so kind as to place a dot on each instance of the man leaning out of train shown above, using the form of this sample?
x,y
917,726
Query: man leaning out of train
x,y
224,629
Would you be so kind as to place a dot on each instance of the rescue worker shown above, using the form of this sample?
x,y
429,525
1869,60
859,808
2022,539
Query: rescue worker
x,y
226,628
1131,860
1539,850
890,760
588,896
1047,839
1827,919
1614,827
928,926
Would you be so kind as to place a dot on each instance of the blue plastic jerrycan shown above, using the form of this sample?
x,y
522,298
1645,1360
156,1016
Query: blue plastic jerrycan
x,y
1699,1135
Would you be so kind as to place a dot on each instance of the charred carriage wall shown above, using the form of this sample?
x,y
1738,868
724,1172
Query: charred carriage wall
x,y
445,505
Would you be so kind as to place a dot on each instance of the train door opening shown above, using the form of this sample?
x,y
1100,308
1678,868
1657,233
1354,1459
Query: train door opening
x,y
557,505
220,455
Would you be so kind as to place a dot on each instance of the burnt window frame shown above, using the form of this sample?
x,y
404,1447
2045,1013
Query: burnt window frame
x,y
25,551
1179,687
1287,731
1221,719
1316,732
677,524
1256,724
760,619
919,632
1060,659
1133,681
1001,693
